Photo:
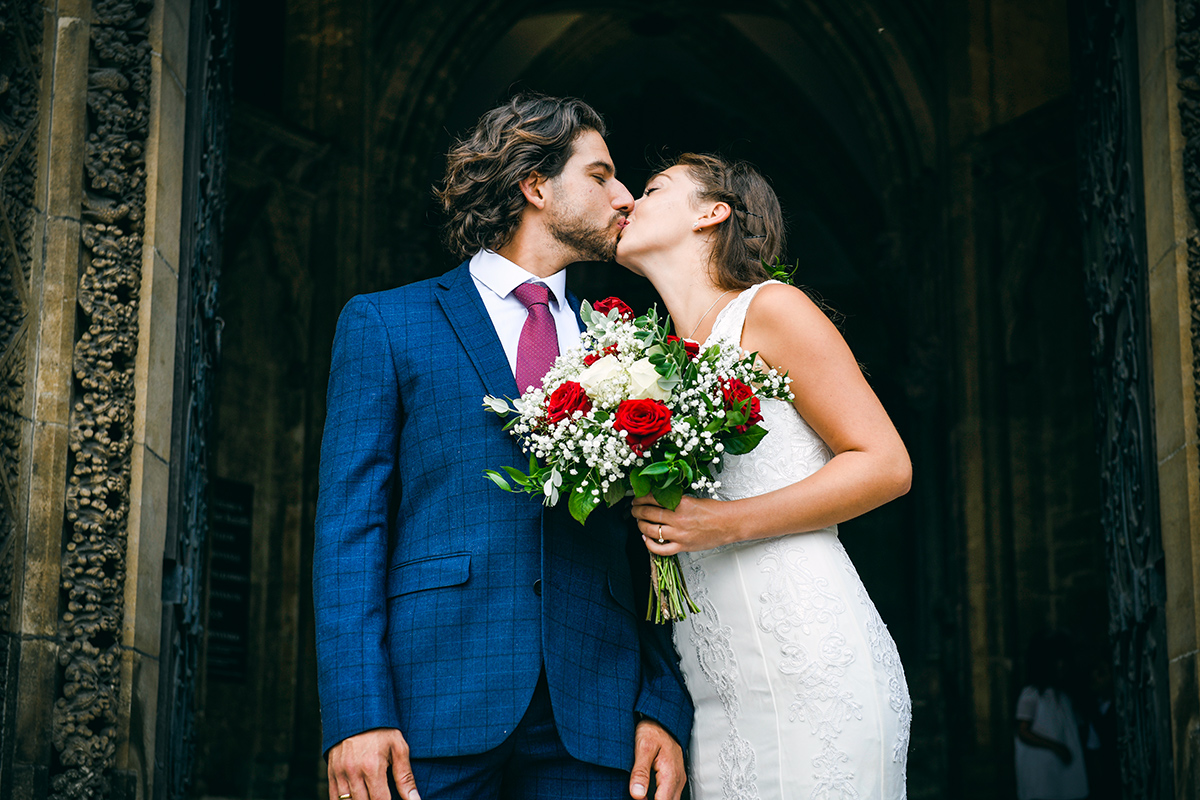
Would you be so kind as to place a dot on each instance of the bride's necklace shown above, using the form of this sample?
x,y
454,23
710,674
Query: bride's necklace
x,y
705,314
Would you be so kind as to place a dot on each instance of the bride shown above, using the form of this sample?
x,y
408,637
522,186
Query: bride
x,y
798,688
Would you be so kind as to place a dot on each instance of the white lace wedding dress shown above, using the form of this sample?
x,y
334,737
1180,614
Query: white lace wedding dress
x,y
798,687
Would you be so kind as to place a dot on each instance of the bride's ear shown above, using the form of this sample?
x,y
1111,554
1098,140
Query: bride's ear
x,y
715,215
533,188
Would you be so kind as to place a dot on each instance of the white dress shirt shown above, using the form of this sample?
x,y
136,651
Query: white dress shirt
x,y
495,277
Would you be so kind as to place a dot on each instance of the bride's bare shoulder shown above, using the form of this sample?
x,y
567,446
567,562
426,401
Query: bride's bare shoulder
x,y
778,305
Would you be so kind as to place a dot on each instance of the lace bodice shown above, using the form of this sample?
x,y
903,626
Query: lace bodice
x,y
791,450
798,687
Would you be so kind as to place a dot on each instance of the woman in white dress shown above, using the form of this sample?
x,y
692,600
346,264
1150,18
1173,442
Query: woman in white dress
x,y
798,687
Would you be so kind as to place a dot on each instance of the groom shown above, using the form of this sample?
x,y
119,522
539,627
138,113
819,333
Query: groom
x,y
471,643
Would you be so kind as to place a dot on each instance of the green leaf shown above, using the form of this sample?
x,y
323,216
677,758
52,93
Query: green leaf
x,y
641,486
498,479
658,468
520,478
615,493
742,443
582,504
668,496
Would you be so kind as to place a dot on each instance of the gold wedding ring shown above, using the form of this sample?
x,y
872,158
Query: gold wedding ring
x,y
343,797
661,540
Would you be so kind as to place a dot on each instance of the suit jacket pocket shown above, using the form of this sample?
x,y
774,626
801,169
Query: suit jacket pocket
x,y
432,572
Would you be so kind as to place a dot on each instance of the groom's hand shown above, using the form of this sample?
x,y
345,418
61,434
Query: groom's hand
x,y
656,749
359,766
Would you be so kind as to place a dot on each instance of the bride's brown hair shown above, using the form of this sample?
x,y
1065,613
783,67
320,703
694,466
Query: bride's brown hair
x,y
753,232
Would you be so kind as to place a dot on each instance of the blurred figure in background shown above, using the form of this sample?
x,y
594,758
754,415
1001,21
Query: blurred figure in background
x,y
1049,748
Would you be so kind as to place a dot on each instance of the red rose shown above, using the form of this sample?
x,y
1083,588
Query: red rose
x,y
644,423
735,393
609,303
691,348
564,401
592,358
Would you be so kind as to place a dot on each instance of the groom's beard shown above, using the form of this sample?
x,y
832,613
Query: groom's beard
x,y
589,243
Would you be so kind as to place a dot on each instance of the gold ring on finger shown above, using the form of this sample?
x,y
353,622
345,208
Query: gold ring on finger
x,y
661,540
343,797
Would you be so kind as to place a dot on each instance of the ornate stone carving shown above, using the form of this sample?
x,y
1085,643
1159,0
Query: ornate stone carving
x,y
20,61
20,67
1115,253
1187,57
97,504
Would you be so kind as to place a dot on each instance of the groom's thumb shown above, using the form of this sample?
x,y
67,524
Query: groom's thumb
x,y
639,776
406,783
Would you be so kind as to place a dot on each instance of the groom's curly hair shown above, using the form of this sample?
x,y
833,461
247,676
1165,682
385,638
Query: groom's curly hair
x,y
481,191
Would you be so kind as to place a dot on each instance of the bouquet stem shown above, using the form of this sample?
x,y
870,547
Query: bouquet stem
x,y
669,599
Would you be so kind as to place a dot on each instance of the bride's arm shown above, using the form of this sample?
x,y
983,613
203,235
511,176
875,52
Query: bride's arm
x,y
870,465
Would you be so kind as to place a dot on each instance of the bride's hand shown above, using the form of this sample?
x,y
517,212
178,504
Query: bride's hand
x,y
696,524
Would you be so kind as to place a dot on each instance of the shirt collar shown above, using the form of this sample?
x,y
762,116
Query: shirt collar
x,y
502,276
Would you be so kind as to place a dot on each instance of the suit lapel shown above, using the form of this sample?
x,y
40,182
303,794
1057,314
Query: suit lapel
x,y
463,306
573,302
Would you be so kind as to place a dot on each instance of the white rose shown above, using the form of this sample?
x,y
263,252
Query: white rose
x,y
643,382
604,369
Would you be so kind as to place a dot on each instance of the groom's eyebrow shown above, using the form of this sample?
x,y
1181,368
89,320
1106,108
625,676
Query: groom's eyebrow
x,y
604,165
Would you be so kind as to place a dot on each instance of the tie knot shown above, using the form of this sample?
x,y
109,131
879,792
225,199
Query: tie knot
x,y
532,294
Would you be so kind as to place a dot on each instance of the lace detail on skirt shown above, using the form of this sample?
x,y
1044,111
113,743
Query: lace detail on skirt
x,y
712,642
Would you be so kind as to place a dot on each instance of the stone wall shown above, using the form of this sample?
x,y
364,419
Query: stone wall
x,y
97,208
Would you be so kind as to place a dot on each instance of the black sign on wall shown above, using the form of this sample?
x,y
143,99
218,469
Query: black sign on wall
x,y
232,514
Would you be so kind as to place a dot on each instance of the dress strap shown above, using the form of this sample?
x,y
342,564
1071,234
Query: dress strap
x,y
729,323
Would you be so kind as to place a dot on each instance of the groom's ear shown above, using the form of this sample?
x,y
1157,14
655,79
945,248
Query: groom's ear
x,y
533,187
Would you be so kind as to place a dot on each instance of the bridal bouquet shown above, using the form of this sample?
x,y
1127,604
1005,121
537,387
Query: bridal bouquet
x,y
636,411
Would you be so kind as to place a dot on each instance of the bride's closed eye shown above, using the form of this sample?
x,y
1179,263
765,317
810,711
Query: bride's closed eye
x,y
649,190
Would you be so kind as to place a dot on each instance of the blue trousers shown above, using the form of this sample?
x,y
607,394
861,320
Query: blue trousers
x,y
531,764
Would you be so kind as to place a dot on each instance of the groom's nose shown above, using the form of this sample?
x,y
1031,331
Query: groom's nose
x,y
622,200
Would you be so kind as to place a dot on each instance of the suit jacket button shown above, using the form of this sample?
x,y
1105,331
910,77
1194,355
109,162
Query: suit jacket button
x,y
537,587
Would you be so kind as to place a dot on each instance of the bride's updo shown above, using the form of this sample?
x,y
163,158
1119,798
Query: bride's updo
x,y
754,230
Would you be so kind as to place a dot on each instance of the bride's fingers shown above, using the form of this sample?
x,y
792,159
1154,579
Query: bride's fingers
x,y
645,500
668,549
650,513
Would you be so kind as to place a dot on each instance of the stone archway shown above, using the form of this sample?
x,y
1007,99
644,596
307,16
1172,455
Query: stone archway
x,y
908,211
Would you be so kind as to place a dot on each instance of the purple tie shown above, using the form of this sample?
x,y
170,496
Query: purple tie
x,y
538,346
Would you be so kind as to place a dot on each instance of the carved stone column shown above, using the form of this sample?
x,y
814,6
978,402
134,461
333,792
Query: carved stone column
x,y
20,70
95,211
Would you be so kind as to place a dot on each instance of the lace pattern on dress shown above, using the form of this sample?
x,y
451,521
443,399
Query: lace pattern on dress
x,y
799,607
883,650
711,641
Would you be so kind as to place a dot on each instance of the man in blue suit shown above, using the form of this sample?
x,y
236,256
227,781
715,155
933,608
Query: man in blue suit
x,y
472,643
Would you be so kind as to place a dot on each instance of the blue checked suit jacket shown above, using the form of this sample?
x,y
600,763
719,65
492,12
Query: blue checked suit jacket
x,y
427,619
